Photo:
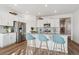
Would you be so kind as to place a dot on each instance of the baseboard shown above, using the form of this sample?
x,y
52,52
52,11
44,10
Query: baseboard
x,y
75,42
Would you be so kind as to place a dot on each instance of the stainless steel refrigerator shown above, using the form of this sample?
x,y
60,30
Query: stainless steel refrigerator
x,y
20,29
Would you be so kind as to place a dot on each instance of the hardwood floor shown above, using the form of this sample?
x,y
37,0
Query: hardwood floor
x,y
13,48
73,48
20,49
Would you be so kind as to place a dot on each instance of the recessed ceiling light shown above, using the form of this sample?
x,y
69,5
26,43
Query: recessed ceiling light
x,y
55,11
39,13
46,5
15,4
27,11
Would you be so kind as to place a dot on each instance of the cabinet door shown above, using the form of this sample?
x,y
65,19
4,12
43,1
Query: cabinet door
x,y
12,38
6,21
2,22
9,23
6,40
40,23
56,22
1,41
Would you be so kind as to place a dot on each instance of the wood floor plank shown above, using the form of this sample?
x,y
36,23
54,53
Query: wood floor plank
x,y
20,49
73,48
12,48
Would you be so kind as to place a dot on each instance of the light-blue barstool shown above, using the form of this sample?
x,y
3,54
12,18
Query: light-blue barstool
x,y
30,37
42,38
58,40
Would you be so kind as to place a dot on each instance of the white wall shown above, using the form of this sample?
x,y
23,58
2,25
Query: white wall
x,y
61,16
30,22
76,27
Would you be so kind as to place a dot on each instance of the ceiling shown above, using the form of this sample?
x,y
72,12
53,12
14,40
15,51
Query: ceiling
x,y
41,9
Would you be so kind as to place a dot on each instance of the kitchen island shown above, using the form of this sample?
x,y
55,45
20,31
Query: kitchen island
x,y
50,42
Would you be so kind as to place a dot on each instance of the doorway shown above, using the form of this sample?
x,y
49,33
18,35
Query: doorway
x,y
65,27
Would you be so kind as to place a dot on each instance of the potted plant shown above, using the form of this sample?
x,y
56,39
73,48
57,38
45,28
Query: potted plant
x,y
32,28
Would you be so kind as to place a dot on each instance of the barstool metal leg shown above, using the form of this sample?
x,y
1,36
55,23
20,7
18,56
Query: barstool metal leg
x,y
28,49
47,47
56,49
64,48
40,47
61,48
34,43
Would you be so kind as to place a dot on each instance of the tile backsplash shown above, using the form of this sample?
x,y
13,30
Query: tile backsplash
x,y
3,29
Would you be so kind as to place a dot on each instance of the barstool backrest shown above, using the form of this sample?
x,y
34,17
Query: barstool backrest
x,y
58,39
29,36
42,37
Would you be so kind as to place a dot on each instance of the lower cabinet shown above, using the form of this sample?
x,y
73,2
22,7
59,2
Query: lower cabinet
x,y
12,38
7,39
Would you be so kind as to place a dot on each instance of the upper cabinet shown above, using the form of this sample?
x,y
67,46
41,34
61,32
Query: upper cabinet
x,y
55,23
52,22
6,20
40,23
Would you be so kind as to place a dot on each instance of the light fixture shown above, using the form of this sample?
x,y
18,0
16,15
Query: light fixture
x,y
27,12
46,5
55,11
15,4
39,13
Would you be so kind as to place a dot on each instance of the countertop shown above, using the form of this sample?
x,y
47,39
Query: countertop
x,y
50,34
7,32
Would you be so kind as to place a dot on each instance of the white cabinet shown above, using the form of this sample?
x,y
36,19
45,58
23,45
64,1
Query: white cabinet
x,y
53,22
1,43
40,23
6,20
2,22
7,39
12,38
10,23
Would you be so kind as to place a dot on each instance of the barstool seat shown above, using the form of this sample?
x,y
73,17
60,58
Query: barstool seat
x,y
30,37
57,39
42,38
